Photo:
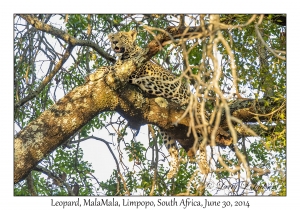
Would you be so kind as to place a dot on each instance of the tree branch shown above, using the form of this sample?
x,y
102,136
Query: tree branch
x,y
57,124
30,185
47,79
106,143
263,41
65,36
55,178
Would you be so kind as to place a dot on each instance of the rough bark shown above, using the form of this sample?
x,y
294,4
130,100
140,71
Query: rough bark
x,y
69,114
56,125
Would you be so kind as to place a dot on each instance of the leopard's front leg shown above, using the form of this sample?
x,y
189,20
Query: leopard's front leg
x,y
98,74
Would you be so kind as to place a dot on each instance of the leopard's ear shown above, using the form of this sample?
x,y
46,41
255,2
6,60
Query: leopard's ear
x,y
110,36
133,34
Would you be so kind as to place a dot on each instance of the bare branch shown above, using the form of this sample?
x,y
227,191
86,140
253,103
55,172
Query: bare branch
x,y
55,178
230,27
48,78
263,41
105,142
65,36
154,179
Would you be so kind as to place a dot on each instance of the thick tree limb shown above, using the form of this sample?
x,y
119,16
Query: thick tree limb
x,y
69,114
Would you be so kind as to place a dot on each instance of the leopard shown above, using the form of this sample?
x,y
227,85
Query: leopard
x,y
155,80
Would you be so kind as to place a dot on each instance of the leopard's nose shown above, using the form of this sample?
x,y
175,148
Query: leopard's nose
x,y
115,42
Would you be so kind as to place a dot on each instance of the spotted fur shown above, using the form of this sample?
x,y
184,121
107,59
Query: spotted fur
x,y
155,80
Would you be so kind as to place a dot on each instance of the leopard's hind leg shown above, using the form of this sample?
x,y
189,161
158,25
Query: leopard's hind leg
x,y
173,151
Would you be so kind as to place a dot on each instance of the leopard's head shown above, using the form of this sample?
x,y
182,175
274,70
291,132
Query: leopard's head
x,y
123,43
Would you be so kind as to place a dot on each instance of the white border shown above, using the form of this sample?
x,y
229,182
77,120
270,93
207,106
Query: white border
x,y
154,6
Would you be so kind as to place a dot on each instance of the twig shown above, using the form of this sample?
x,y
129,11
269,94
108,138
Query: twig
x,y
66,37
105,142
156,159
225,26
48,78
109,148
263,41
271,113
55,178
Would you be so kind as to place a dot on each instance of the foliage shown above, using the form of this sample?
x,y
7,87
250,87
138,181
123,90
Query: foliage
x,y
142,166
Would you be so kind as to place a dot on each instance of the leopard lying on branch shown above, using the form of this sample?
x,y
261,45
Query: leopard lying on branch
x,y
153,79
